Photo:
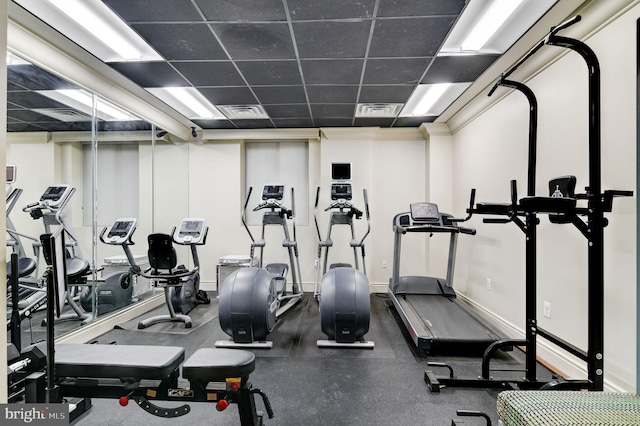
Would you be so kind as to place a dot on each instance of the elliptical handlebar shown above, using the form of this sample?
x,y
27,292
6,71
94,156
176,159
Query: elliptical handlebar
x,y
243,214
368,217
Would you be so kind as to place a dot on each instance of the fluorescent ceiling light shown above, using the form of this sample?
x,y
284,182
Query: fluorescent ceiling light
x,y
83,102
490,22
188,101
432,99
94,26
492,26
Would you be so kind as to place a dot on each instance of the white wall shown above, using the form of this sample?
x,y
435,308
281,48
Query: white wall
x,y
491,150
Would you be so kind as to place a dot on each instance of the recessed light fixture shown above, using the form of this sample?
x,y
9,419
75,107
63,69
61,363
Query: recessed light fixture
x,y
492,26
432,99
95,27
188,101
83,102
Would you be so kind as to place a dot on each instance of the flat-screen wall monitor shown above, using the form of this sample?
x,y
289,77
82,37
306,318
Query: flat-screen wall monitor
x,y
425,212
59,264
341,191
340,171
11,174
273,192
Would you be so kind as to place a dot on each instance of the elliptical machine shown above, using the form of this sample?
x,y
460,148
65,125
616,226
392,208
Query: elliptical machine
x,y
252,299
181,285
343,292
116,291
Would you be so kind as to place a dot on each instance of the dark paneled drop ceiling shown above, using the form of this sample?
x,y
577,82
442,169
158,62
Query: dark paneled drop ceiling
x,y
308,63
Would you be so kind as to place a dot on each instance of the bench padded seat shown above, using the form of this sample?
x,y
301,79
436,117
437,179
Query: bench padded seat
x,y
567,408
216,365
116,361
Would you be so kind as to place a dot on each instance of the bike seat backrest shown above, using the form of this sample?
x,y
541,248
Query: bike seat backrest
x,y
162,254
76,266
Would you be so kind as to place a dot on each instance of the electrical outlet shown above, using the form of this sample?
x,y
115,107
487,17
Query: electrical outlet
x,y
546,310
384,263
488,283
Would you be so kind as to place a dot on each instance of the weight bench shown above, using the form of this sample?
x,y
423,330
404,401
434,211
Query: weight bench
x,y
152,373
571,408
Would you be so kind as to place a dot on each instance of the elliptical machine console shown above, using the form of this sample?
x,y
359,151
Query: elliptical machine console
x,y
116,291
343,292
252,299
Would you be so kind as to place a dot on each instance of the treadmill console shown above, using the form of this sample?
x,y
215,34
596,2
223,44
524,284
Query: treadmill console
x,y
425,212
121,231
273,192
341,191
54,196
191,231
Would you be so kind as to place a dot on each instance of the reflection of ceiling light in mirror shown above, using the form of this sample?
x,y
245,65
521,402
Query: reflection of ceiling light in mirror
x,y
188,102
15,60
432,99
83,101
94,26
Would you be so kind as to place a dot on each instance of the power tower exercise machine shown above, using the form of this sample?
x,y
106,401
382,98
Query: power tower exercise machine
x,y
116,290
343,292
561,206
437,320
181,285
253,299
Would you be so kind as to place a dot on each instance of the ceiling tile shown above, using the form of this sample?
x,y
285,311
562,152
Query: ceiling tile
x,y
253,124
332,71
280,94
301,10
242,10
215,73
373,122
332,94
256,41
288,111
276,73
457,69
182,41
420,7
284,123
150,74
34,78
330,39
214,124
413,121
333,122
228,95
395,71
385,94
27,99
332,110
409,37
154,10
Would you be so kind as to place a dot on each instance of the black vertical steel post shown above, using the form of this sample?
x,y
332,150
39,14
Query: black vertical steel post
x,y
595,217
16,336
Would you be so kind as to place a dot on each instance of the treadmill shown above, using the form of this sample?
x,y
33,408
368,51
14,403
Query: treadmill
x,y
435,318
